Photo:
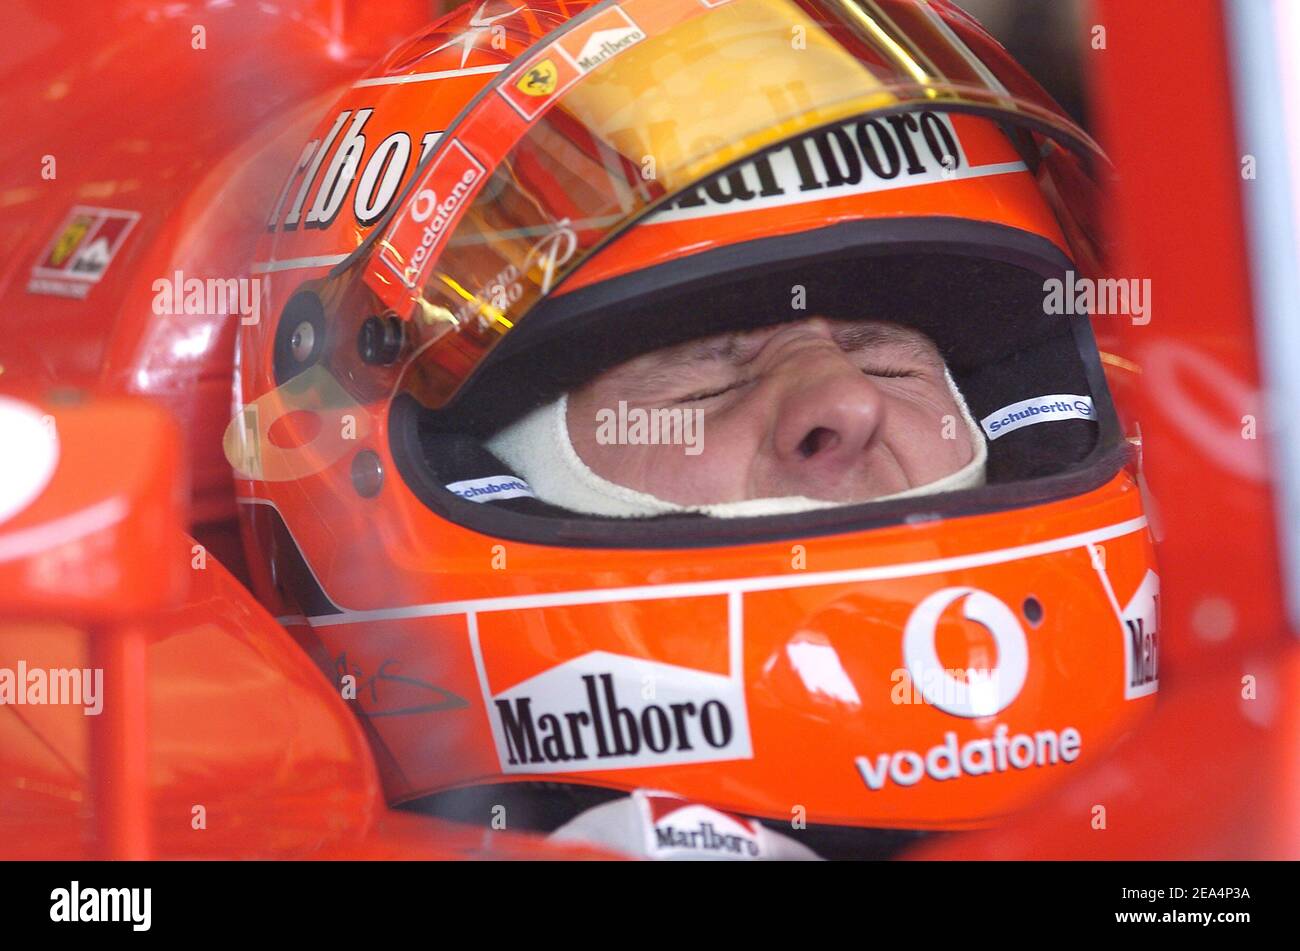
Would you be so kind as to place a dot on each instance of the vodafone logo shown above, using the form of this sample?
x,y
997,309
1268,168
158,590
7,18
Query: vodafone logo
x,y
981,693
977,693
421,228
423,204
30,452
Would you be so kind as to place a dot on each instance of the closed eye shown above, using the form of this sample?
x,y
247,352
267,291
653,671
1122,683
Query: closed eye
x,y
890,374
710,394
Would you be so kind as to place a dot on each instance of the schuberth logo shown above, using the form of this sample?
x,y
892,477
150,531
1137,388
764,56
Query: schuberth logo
x,y
593,712
492,488
1040,409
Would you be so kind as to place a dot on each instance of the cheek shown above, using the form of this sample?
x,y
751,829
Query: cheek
x,y
709,462
622,465
634,463
928,437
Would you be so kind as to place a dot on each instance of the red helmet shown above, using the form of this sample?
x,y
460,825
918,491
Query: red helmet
x,y
528,192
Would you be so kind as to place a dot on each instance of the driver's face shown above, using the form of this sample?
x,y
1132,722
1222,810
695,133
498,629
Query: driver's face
x,y
845,411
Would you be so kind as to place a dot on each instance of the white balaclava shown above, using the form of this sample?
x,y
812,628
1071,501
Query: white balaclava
x,y
537,447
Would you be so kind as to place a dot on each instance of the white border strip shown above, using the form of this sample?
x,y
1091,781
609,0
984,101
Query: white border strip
x,y
293,264
429,77
1264,41
734,586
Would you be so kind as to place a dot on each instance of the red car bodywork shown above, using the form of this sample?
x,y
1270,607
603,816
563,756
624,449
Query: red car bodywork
x,y
231,743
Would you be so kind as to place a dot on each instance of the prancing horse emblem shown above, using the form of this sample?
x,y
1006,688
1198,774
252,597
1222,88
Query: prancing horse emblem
x,y
540,80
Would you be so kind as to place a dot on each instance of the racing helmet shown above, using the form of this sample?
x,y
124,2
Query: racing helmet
x,y
529,192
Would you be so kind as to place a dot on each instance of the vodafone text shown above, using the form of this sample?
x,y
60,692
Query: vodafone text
x,y
434,215
948,760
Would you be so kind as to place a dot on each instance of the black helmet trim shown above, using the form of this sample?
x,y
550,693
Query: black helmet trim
x,y
995,365
419,455
578,314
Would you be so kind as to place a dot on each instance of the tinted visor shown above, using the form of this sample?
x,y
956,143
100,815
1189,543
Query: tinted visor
x,y
623,109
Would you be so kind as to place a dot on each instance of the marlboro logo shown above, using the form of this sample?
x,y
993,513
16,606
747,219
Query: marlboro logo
x,y
606,711
561,64
855,158
1141,618
606,44
677,827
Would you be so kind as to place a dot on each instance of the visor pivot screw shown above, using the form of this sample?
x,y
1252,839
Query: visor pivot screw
x,y
367,474
1033,611
380,340
303,341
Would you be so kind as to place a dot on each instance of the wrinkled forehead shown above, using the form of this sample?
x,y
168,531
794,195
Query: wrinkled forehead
x,y
739,347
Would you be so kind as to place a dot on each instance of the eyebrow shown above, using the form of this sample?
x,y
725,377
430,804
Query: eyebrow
x,y
854,337
716,348
851,337
730,348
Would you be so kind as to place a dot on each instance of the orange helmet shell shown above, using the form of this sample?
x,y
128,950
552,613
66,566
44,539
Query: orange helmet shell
x,y
929,674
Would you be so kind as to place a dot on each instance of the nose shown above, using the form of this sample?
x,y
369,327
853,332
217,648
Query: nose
x,y
827,413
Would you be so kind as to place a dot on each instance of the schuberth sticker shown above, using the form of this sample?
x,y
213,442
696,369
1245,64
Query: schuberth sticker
x,y
1040,409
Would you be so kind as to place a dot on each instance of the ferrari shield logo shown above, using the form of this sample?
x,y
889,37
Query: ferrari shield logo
x,y
540,80
80,251
68,240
